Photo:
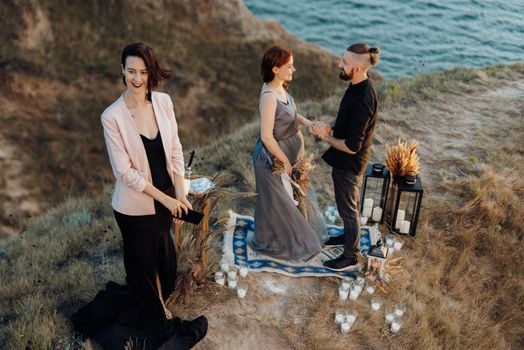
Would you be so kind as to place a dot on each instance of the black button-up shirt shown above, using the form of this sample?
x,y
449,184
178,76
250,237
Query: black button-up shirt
x,y
355,123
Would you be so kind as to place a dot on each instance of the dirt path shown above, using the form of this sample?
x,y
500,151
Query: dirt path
x,y
451,130
457,128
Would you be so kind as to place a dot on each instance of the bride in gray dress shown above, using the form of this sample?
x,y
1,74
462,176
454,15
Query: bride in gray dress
x,y
281,230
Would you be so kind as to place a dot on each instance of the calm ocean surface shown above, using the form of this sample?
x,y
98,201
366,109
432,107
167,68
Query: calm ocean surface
x,y
414,35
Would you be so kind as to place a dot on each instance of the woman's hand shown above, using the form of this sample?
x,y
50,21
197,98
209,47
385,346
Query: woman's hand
x,y
175,206
288,168
183,200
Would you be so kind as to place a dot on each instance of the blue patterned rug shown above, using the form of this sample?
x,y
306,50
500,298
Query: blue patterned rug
x,y
235,249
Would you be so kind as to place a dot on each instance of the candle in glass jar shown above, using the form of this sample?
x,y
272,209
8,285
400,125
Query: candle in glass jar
x,y
353,295
389,316
232,284
376,303
398,243
344,327
241,289
400,309
342,293
377,214
244,269
232,274
241,293
396,325
220,278
390,240
370,287
350,318
346,284
339,317
224,266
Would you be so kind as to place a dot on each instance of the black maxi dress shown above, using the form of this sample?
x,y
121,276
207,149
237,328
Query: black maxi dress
x,y
133,314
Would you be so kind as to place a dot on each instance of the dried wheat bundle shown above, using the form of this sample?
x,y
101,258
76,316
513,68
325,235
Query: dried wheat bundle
x,y
192,241
299,178
402,159
392,269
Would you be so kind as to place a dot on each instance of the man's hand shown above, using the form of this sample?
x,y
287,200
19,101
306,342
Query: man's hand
x,y
320,129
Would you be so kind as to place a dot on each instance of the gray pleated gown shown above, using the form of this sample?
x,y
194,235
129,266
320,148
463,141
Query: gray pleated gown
x,y
280,228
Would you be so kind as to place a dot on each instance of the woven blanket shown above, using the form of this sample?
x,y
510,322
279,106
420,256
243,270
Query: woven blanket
x,y
236,249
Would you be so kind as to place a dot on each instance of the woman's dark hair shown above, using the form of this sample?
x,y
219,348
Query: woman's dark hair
x,y
361,48
155,73
275,56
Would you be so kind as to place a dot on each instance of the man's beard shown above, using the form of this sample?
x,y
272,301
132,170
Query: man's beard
x,y
345,76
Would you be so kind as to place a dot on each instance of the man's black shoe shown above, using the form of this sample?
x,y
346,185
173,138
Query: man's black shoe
x,y
343,264
337,240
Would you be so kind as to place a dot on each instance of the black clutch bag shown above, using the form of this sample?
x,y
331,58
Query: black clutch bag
x,y
194,217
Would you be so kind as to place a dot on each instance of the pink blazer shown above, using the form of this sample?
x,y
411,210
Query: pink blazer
x,y
128,156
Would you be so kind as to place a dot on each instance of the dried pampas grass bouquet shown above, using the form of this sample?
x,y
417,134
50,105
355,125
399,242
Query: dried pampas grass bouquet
x,y
402,158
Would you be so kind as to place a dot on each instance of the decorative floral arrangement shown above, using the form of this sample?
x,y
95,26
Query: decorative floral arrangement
x,y
299,179
402,159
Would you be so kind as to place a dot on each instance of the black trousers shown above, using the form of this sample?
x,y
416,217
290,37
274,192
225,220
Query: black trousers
x,y
149,260
347,196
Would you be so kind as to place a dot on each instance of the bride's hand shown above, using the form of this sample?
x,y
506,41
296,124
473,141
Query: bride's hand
x,y
288,168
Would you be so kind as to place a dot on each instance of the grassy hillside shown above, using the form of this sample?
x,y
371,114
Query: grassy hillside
x,y
60,67
461,277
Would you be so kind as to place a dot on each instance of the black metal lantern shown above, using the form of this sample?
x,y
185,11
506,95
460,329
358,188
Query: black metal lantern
x,y
375,191
404,205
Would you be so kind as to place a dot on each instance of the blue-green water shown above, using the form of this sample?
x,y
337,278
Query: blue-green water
x,y
413,35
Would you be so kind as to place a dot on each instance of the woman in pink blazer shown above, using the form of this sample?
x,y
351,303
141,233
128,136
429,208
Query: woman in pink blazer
x,y
141,136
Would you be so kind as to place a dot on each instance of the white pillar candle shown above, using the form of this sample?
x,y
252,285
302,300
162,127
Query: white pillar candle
x,y
339,317
404,226
353,295
363,220
377,214
368,203
342,294
367,211
344,328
